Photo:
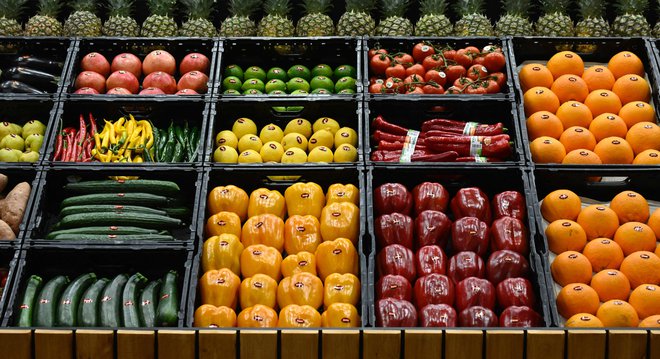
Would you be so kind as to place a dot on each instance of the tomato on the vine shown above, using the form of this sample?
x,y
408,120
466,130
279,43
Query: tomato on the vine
x,y
491,48
396,70
479,60
476,72
414,90
376,87
392,85
492,86
475,89
436,76
414,80
494,61
463,58
433,62
462,82
453,90
454,71
416,69
379,63
433,89
422,50
374,51
500,78
472,51
404,59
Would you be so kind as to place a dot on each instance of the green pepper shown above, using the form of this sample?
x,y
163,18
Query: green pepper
x,y
180,137
186,143
168,153
193,143
160,150
179,152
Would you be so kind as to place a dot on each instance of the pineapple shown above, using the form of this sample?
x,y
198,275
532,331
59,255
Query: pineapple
x,y
357,21
160,23
515,21
276,23
83,20
656,28
473,22
631,20
555,22
198,24
239,23
45,23
120,23
394,23
433,22
316,21
593,23
10,11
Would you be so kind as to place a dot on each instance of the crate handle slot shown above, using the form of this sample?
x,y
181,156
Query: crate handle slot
x,y
288,112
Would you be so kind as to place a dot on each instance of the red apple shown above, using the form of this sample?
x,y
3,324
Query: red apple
x,y
127,62
185,92
86,91
152,91
194,80
162,80
95,62
123,79
195,62
90,79
118,91
159,60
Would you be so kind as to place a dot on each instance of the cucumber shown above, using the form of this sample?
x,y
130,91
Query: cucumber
x,y
88,309
113,237
119,219
140,199
148,303
104,230
67,313
167,313
130,299
109,208
178,212
26,309
110,308
112,186
45,308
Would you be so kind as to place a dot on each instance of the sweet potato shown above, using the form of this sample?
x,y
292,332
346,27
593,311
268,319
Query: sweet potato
x,y
6,232
3,182
14,205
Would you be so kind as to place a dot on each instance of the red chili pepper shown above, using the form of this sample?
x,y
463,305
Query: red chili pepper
x,y
70,148
478,159
58,147
449,156
380,124
392,156
490,146
88,150
396,146
418,156
384,136
439,133
459,127
92,125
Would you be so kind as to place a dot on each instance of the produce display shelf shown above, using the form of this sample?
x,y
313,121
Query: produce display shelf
x,y
32,177
9,256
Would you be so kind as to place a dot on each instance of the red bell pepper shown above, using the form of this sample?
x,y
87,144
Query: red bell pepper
x,y
433,289
522,317
466,264
393,286
506,264
430,259
515,291
394,228
471,202
392,312
380,124
392,197
397,259
509,233
475,291
430,196
432,227
509,203
470,234
477,317
437,315
489,146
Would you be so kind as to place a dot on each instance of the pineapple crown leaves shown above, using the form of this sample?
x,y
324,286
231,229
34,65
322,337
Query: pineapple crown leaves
x,y
84,5
466,7
50,7
555,6
433,7
244,8
394,8
277,7
198,9
12,9
635,7
517,7
120,7
316,6
360,5
591,9
161,7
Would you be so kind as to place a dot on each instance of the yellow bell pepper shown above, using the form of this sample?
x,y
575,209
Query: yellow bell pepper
x,y
302,289
259,258
341,288
259,316
301,233
230,199
299,316
258,289
223,222
340,219
219,287
343,193
338,256
341,315
298,263
265,229
263,200
210,316
304,199
223,251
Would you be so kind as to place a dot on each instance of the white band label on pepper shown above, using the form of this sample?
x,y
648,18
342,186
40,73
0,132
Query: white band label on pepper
x,y
476,145
470,128
409,146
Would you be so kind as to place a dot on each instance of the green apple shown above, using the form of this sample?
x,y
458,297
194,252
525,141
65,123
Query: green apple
x,y
345,70
33,126
277,73
277,93
275,85
345,83
253,92
254,72
232,83
234,70
13,141
9,155
231,92
29,156
225,154
321,91
253,84
7,128
346,92
34,141
297,83
322,70
322,82
299,71
299,93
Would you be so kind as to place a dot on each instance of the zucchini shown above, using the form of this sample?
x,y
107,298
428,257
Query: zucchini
x,y
130,299
45,308
109,208
167,313
110,186
110,307
26,309
140,199
103,230
148,303
119,219
19,87
182,213
67,313
88,309
113,237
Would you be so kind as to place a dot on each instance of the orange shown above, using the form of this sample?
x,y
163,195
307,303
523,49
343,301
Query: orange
x,y
576,138
598,221
603,253
631,88
630,207
547,150
561,204
617,313
573,113
577,298
571,267
602,101
614,150
635,112
598,77
654,223
650,322
641,268
570,88
625,62
611,284
544,123
532,75
565,235
582,157
583,320
648,157
540,99
644,136
565,62
657,250
634,237
608,125
646,300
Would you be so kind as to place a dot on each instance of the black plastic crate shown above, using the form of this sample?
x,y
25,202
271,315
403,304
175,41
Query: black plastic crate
x,y
653,46
250,180
346,111
47,48
410,112
47,205
581,181
490,180
16,176
161,114
140,47
267,52
47,263
405,44
8,260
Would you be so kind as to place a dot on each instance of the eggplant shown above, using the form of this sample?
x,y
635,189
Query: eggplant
x,y
32,62
40,79
19,87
